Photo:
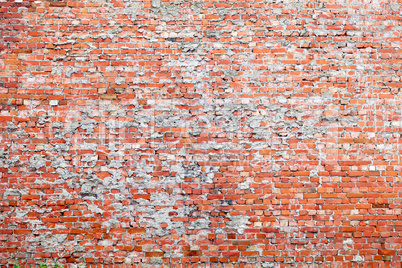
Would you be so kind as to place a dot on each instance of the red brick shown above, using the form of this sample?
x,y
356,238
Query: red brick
x,y
386,252
58,4
154,254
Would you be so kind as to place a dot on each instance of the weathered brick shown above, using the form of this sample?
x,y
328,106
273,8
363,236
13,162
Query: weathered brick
x,y
58,4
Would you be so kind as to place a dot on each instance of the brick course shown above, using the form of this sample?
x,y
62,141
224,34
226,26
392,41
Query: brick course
x,y
178,133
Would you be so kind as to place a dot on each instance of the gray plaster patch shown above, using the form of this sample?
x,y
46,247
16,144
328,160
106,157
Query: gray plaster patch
x,y
156,3
239,223
15,192
269,265
200,224
37,161
347,244
3,154
358,258
394,7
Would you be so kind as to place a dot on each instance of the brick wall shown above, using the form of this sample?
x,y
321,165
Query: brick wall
x,y
172,133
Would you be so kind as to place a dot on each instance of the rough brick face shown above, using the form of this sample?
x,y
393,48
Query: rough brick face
x,y
178,133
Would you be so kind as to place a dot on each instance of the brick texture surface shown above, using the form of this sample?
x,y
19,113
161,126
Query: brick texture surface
x,y
216,133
